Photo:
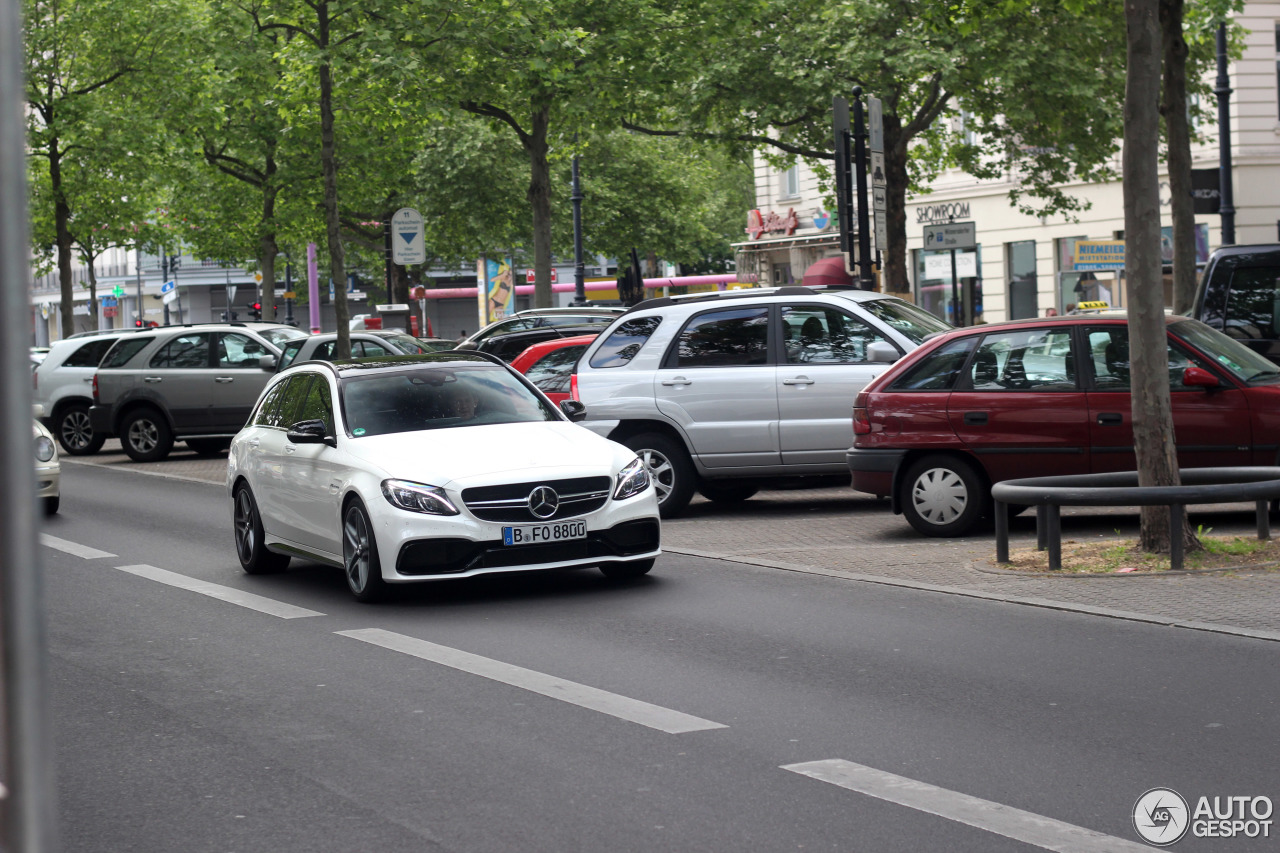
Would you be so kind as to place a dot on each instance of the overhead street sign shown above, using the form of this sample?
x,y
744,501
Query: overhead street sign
x,y
408,245
955,235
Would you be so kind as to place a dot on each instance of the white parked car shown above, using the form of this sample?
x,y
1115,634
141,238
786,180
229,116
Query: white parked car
x,y
48,471
429,467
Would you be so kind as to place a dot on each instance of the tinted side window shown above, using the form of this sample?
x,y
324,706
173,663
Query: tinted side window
x,y
316,406
938,370
1253,304
184,351
124,349
368,349
266,413
291,400
732,337
625,341
551,372
89,355
289,353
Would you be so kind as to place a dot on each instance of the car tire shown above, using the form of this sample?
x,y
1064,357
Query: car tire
x,y
209,447
146,436
251,546
727,491
626,571
75,432
360,563
51,505
670,469
943,495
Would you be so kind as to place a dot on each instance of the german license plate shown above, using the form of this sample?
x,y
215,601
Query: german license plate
x,y
552,531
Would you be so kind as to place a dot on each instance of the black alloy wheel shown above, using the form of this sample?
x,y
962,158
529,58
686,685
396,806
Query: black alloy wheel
x,y
75,432
360,561
251,547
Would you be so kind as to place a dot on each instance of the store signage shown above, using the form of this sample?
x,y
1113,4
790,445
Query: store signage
x,y
768,223
1206,191
931,213
1099,255
821,219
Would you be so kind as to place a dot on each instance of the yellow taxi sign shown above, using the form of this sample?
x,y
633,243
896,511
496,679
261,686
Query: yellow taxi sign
x,y
1081,306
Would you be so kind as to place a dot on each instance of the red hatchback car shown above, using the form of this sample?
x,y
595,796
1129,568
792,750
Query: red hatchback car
x,y
1034,398
549,365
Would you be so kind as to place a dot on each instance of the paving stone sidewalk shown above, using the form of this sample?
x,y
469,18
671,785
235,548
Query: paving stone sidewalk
x,y
842,533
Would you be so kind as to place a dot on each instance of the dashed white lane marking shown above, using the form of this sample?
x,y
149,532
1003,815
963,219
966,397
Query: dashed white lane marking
x,y
224,593
653,716
1003,820
73,548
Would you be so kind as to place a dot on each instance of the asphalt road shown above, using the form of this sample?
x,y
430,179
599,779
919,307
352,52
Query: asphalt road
x,y
712,706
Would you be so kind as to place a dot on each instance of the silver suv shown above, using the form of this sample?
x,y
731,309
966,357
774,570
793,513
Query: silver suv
x,y
197,383
722,392
62,388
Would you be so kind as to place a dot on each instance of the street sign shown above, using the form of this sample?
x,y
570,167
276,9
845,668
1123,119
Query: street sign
x,y
289,294
880,231
877,169
382,309
107,302
419,292
955,235
879,199
231,295
875,124
166,287
408,246
170,296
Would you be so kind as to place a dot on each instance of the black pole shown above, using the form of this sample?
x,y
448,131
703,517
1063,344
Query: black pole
x,y
1226,207
866,281
844,181
957,315
386,243
288,288
579,271
164,279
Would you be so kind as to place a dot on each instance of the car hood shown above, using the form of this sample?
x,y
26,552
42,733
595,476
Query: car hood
x,y
492,453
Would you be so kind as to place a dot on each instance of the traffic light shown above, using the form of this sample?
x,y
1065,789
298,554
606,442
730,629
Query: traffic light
x,y
138,323
256,310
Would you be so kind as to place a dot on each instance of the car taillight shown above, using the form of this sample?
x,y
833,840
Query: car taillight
x,y
861,423
573,387
96,401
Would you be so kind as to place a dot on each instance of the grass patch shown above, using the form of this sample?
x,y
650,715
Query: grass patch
x,y
1123,556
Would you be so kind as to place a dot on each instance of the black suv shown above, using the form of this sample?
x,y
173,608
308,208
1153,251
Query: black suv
x,y
1239,295
197,383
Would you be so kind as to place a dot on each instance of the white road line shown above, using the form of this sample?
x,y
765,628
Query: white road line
x,y
653,716
73,548
224,593
993,817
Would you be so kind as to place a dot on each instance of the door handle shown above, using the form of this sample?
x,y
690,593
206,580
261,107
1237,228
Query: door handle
x,y
799,380
153,379
677,380
87,379
1110,418
253,442
224,379
289,448
975,418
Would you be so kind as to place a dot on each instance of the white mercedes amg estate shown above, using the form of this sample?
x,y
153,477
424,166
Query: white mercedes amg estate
x,y
429,467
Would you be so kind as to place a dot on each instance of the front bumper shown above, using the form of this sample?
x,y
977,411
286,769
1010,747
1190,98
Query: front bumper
x,y
47,480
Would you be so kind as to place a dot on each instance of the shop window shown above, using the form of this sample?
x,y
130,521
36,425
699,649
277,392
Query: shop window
x,y
958,300
1020,261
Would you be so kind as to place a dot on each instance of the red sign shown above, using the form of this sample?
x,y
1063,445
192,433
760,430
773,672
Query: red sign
x,y
530,276
110,311
419,292
767,223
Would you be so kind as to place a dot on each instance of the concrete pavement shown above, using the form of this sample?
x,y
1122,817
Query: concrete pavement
x,y
841,533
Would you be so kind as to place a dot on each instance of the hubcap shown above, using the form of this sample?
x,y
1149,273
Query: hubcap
x,y
355,549
244,526
76,431
143,436
939,495
660,471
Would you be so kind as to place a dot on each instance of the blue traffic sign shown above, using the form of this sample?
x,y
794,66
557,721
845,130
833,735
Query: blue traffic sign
x,y
166,287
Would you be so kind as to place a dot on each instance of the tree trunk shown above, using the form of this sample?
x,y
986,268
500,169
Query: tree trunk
x,y
329,165
267,246
540,202
1148,342
62,229
1174,109
894,274
93,295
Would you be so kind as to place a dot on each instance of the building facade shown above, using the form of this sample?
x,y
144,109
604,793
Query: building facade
x,y
1023,265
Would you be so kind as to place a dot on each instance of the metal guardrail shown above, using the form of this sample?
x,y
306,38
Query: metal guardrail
x,y
1199,486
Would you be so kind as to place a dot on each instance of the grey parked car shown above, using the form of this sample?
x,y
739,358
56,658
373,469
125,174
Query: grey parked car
x,y
195,383
723,392
63,388
367,344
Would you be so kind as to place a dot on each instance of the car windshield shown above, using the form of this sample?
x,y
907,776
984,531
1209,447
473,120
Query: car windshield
x,y
281,334
1242,362
913,323
438,397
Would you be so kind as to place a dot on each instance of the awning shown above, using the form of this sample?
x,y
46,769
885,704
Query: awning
x,y
827,271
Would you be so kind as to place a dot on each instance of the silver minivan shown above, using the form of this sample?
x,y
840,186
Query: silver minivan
x,y
722,392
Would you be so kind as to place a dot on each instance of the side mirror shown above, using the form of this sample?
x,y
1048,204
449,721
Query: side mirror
x,y
267,362
882,352
310,432
574,410
469,345
1198,377
37,410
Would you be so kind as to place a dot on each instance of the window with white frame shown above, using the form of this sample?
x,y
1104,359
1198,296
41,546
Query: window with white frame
x,y
791,182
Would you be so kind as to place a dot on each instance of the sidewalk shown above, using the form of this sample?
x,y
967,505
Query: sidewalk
x,y
842,533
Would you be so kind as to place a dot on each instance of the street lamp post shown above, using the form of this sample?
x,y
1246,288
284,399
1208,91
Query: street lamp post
x,y
579,271
1226,207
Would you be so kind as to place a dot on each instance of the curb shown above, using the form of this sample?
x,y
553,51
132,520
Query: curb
x,y
1044,603
1062,575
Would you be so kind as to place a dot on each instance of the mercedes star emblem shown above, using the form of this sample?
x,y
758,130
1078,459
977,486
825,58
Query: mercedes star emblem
x,y
543,502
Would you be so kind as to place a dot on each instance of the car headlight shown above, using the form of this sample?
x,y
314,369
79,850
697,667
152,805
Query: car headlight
x,y
44,448
631,480
418,497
